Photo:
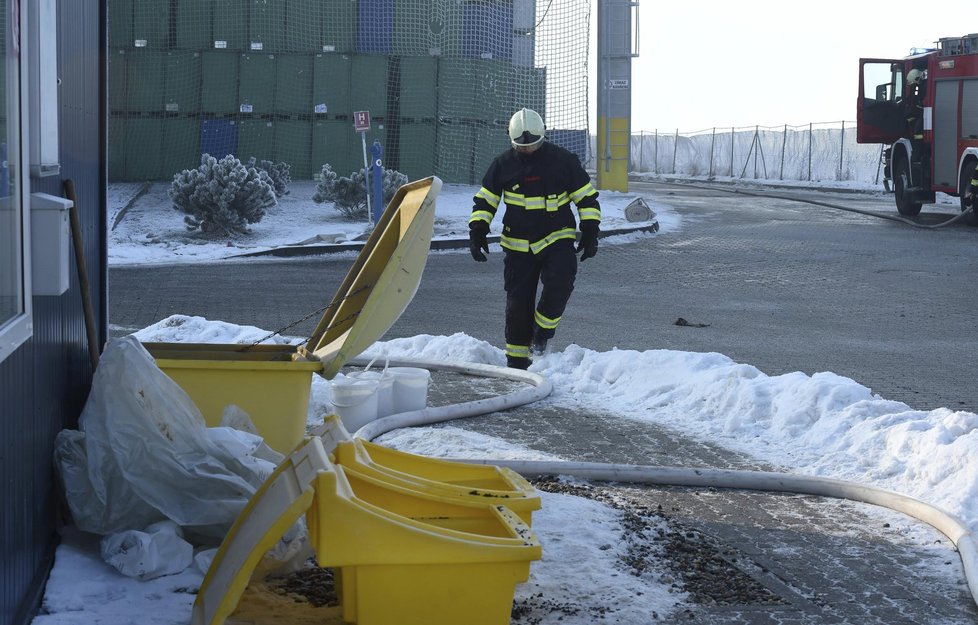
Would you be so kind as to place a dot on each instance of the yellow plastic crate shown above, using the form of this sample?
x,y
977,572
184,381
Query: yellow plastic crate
x,y
485,484
449,564
269,382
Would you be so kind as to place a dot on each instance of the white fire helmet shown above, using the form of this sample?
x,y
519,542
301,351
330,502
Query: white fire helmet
x,y
914,76
526,128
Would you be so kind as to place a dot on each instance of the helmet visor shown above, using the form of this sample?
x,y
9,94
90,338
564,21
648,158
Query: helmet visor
x,y
527,139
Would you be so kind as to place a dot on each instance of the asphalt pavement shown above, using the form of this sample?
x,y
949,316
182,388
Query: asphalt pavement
x,y
782,285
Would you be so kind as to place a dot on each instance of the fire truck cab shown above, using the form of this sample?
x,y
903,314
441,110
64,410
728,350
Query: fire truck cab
x,y
924,110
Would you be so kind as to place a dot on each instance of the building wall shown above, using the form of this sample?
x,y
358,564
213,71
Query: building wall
x,y
43,385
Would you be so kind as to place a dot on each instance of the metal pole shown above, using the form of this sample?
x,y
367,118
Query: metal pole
x,y
713,140
842,148
784,139
641,149
755,153
731,150
366,177
655,153
675,147
809,151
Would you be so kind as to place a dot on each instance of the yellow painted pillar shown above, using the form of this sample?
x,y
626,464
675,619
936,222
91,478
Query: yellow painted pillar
x,y
613,153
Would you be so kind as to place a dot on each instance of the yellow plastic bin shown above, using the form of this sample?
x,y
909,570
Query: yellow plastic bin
x,y
449,564
269,382
486,484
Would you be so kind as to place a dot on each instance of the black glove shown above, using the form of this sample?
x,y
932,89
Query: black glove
x,y
589,239
477,240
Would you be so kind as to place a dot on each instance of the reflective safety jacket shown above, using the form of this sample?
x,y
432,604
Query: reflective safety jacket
x,y
538,189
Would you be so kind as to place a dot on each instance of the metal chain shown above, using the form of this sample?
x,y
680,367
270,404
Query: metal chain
x,y
320,311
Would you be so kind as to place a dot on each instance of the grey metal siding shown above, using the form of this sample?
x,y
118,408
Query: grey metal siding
x,y
44,384
946,134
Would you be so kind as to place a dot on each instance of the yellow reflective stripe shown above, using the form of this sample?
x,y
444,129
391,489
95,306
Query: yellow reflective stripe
x,y
550,203
589,213
582,193
563,233
517,351
489,197
545,322
974,181
485,216
517,245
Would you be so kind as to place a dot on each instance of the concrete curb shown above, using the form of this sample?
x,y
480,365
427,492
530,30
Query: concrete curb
x,y
294,251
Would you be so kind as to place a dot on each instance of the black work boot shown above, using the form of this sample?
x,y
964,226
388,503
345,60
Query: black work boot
x,y
539,346
517,363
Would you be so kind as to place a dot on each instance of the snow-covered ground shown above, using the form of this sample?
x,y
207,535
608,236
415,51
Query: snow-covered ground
x,y
823,424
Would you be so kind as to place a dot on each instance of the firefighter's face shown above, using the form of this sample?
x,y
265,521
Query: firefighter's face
x,y
527,149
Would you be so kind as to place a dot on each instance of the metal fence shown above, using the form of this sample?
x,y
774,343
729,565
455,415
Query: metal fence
x,y
818,151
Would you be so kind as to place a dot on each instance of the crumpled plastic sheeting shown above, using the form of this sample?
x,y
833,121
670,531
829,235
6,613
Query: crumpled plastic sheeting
x,y
157,551
144,454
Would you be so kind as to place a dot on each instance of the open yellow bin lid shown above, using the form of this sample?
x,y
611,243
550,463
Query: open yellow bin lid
x,y
382,281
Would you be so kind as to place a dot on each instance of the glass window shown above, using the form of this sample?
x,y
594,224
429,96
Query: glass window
x,y
14,299
882,81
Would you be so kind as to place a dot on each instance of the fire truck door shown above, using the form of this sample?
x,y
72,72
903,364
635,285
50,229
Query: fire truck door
x,y
946,134
880,116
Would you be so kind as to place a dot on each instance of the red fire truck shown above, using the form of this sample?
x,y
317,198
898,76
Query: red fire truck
x,y
924,110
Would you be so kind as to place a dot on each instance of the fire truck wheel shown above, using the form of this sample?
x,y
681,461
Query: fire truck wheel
x,y
901,182
967,173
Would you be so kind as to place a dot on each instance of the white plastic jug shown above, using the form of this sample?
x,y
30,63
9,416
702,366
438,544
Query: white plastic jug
x,y
355,400
385,389
410,388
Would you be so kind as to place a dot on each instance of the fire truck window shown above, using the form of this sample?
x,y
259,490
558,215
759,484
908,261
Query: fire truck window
x,y
881,82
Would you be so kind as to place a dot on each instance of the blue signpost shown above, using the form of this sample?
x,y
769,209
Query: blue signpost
x,y
377,171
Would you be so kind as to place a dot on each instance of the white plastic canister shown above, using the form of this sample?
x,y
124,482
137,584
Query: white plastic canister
x,y
355,401
385,389
410,388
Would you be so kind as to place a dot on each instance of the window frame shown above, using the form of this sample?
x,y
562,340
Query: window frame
x,y
16,331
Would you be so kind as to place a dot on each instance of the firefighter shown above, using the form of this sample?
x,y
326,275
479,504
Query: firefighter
x,y
915,99
537,180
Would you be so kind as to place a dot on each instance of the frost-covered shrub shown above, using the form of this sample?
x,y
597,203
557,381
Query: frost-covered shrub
x,y
326,185
280,174
349,194
221,196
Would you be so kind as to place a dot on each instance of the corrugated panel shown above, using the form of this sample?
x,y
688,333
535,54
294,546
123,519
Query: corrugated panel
x,y
293,84
144,87
339,26
230,25
330,146
44,383
118,62
417,150
375,25
256,137
419,79
219,82
368,76
193,25
331,84
454,153
120,23
487,32
307,37
293,145
181,82
117,149
144,144
946,134
151,24
969,109
256,80
267,27
181,145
